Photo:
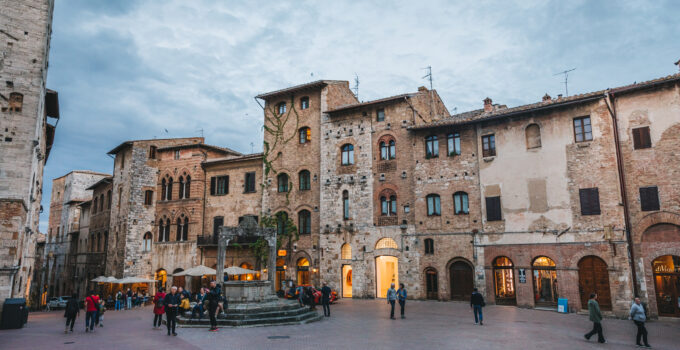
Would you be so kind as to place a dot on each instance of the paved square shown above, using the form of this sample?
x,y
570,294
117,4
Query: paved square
x,y
355,324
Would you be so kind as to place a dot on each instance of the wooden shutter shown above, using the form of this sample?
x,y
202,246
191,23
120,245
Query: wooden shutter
x,y
213,182
590,201
649,198
493,208
641,138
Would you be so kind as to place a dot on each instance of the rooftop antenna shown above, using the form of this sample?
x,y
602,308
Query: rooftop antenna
x,y
566,79
252,147
356,86
200,131
429,77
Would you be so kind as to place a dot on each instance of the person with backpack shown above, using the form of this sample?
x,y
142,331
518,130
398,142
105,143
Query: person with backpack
x,y
477,303
71,311
119,300
211,301
91,307
171,303
158,308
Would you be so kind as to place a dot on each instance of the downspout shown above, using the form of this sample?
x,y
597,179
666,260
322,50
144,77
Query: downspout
x,y
611,107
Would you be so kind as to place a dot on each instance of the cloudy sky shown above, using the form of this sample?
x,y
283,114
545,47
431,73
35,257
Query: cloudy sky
x,y
134,69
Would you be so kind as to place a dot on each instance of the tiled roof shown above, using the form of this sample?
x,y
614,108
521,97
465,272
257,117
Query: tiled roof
x,y
106,180
190,145
368,103
128,143
314,84
245,157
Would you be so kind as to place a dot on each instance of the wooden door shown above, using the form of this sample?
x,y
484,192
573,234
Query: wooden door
x,y
593,277
431,284
460,274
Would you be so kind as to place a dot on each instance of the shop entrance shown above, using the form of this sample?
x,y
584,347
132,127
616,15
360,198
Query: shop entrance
x,y
545,282
431,283
178,281
303,272
504,281
386,273
460,274
280,273
667,284
593,277
346,281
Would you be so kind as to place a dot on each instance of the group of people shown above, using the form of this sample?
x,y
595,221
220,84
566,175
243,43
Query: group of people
x,y
179,300
305,295
128,299
637,314
95,308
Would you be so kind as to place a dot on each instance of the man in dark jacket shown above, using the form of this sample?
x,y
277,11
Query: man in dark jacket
x,y
71,312
326,299
596,317
171,302
477,303
213,298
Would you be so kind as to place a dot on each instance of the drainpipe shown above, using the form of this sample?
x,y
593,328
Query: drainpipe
x,y
611,107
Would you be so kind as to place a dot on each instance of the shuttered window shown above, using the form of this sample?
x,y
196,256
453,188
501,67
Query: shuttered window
x,y
641,138
493,208
249,183
218,222
649,198
590,201
488,146
219,185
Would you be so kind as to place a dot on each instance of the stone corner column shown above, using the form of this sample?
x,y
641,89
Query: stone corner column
x,y
271,268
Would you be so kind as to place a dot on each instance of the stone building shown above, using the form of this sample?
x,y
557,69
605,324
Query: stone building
x,y
26,136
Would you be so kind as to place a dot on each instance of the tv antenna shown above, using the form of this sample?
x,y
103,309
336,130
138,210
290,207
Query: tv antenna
x,y
356,86
566,79
200,131
429,77
252,147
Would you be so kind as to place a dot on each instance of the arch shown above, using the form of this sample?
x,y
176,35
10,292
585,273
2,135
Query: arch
x,y
346,252
593,277
652,219
304,222
504,281
386,243
460,278
178,281
388,202
533,136
661,232
282,182
302,268
304,180
431,283
347,154
544,281
305,135
387,147
666,274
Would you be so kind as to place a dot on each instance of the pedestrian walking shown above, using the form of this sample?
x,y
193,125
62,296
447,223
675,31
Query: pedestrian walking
x,y
401,297
71,311
128,296
391,299
158,308
119,301
135,297
595,316
326,299
637,314
212,299
477,303
91,306
100,313
171,303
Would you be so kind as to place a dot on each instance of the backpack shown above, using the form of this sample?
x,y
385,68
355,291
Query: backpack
x,y
159,302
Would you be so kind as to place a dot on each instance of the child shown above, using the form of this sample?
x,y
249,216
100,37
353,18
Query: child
x,y
100,314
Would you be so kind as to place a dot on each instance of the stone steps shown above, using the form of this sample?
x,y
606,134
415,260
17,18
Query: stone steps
x,y
301,316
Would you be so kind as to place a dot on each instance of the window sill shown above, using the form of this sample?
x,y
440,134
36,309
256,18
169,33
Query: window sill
x,y
462,213
249,192
488,158
583,144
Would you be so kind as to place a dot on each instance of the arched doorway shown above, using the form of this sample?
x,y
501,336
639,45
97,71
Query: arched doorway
x,y
460,277
504,281
178,281
162,278
280,273
545,281
346,281
593,277
303,271
431,283
386,273
667,284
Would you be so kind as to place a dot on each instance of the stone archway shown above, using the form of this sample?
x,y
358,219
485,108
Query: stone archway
x,y
461,279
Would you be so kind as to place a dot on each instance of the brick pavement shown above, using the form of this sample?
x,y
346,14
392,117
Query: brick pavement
x,y
355,324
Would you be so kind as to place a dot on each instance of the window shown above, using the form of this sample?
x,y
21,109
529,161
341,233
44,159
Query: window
x,y
641,138
493,208
488,146
249,182
388,204
281,108
533,136
429,246
146,246
345,205
148,197
182,229
101,202
218,222
281,222
346,252
108,199
219,185
590,201
254,217
164,230
304,222
433,205
649,198
184,187
460,203
94,206
304,103
384,243
181,187
187,187
152,152
380,115
431,147
304,180
16,101
453,144
347,154
387,150
582,129
122,160
176,154
282,182
166,187
305,135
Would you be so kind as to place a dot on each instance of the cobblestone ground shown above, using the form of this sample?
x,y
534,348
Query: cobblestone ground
x,y
355,324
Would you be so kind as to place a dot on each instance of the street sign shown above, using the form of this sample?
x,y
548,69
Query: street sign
x,y
522,276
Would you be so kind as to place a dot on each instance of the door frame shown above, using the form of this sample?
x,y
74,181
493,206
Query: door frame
x,y
585,293
448,273
375,265
342,280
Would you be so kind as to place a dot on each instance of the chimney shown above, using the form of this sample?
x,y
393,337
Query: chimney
x,y
547,98
488,106
559,96
422,88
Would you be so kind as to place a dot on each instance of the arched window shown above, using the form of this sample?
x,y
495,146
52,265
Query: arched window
x,y
347,154
386,243
305,135
433,205
178,235
533,136
304,102
387,150
392,149
146,246
388,203
161,230
282,180
304,180
429,246
281,108
504,281
99,242
431,147
187,187
181,187
453,143
108,199
166,187
345,205
94,206
281,222
460,203
304,222
545,281
346,251
185,229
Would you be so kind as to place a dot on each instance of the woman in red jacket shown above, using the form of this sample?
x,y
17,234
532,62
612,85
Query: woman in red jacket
x,y
158,308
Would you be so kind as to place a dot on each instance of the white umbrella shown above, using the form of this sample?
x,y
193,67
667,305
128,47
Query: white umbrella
x,y
109,279
199,270
131,280
99,279
235,270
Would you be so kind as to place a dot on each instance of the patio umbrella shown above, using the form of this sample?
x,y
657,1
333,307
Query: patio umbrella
x,y
131,280
235,270
199,270
99,279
